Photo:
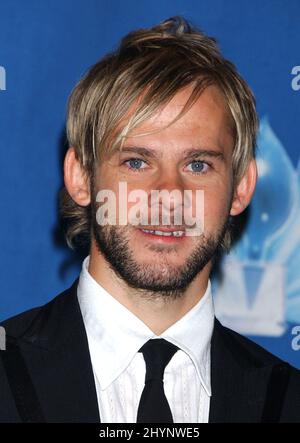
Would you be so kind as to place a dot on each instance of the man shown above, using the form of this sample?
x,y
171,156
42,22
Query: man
x,y
135,338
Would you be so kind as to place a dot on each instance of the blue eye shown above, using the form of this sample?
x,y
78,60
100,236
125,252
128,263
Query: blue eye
x,y
198,166
135,163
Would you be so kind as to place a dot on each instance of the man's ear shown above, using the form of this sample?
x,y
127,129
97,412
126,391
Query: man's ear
x,y
244,189
75,179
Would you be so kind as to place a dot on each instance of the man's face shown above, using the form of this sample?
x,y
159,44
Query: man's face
x,y
194,153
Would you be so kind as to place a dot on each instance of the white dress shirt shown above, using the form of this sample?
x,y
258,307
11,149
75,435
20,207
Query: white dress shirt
x,y
115,336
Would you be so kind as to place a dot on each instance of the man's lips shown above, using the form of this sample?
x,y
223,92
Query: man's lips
x,y
163,235
163,228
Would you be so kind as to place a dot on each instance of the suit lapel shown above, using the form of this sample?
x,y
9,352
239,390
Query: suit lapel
x,y
238,381
57,356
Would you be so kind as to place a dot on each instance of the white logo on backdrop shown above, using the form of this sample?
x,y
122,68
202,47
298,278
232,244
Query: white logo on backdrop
x,y
260,291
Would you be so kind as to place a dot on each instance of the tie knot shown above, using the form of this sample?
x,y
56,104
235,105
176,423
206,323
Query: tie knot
x,y
157,353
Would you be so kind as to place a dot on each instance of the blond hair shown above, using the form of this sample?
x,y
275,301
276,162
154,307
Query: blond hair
x,y
147,69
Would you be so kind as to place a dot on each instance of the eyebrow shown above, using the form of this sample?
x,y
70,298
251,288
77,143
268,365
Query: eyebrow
x,y
199,152
142,151
188,153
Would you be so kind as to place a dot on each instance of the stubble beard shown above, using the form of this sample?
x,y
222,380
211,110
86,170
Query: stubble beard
x,y
161,278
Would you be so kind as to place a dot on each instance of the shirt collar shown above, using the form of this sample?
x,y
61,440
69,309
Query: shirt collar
x,y
115,334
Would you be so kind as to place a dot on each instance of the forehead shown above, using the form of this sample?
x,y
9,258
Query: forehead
x,y
207,122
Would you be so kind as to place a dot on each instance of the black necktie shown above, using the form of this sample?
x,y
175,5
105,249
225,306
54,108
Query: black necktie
x,y
154,406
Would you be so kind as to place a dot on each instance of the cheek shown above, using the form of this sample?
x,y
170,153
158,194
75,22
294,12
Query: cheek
x,y
107,183
108,179
121,193
217,205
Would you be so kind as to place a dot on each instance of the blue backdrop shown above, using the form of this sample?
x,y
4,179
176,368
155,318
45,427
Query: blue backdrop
x,y
46,45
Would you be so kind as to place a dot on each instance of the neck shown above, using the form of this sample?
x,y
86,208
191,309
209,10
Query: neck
x,y
157,312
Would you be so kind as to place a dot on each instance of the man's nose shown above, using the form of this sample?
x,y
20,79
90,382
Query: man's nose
x,y
167,193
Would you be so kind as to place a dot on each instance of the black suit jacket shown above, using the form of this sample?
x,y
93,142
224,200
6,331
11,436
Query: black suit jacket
x,y
57,384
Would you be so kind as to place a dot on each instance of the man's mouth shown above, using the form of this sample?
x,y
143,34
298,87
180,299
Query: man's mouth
x,y
164,233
